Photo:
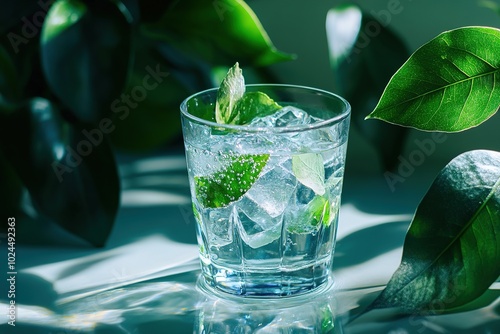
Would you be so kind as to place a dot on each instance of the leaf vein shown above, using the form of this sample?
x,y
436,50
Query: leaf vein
x,y
464,104
409,100
474,55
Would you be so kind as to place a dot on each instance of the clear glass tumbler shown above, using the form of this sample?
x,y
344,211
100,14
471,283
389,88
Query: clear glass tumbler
x,y
266,195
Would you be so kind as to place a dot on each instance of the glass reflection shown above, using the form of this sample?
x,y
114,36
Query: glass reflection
x,y
313,313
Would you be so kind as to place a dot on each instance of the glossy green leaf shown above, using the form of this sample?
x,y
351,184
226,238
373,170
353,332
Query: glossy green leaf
x,y
85,52
69,171
364,54
221,32
451,252
231,182
450,84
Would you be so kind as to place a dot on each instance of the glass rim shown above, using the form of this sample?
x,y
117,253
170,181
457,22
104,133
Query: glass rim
x,y
296,128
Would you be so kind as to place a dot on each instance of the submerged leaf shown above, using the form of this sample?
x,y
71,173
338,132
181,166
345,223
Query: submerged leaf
x,y
309,170
450,84
231,182
452,249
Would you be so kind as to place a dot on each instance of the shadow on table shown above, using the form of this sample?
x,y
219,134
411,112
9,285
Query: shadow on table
x,y
359,247
155,202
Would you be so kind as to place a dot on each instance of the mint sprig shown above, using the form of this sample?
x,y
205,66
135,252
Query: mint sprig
x,y
311,216
309,170
230,91
231,182
234,106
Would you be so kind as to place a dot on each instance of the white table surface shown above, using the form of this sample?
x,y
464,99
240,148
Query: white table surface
x,y
145,279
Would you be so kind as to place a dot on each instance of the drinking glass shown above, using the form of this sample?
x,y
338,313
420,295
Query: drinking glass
x,y
266,195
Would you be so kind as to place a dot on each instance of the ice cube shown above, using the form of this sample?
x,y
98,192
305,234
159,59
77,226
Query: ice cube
x,y
251,231
218,226
272,191
286,116
291,116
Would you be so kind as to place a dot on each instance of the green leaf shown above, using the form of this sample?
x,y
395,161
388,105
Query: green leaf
x,y
451,252
363,65
234,106
69,171
450,84
230,91
153,119
311,216
85,52
231,182
309,170
235,32
252,105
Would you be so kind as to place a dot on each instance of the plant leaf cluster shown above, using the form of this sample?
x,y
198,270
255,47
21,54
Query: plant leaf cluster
x,y
451,253
80,78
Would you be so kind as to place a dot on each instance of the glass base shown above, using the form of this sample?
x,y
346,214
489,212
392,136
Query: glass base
x,y
265,283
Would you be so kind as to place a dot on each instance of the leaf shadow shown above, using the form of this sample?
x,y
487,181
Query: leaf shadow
x,y
348,252
26,284
156,194
82,265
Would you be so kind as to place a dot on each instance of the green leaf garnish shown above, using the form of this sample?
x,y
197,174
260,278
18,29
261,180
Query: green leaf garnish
x,y
234,106
450,84
252,105
309,170
309,219
231,182
230,91
452,248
